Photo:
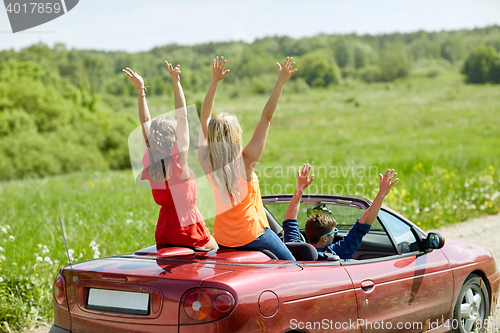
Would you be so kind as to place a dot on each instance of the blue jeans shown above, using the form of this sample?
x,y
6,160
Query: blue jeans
x,y
270,241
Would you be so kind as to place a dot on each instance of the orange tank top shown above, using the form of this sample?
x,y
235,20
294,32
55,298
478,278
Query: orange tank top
x,y
240,224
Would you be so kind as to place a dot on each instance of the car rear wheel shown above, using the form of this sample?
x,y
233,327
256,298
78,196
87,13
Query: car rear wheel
x,y
472,307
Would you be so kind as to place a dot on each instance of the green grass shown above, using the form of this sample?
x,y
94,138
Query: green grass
x,y
439,134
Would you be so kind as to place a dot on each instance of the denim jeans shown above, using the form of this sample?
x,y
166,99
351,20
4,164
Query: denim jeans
x,y
270,241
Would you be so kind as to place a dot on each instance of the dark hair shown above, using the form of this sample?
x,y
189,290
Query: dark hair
x,y
317,225
161,139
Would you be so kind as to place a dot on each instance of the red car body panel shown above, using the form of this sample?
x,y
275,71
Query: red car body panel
x,y
411,289
275,295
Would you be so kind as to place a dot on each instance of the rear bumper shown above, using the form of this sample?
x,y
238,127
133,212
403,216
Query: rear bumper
x,y
57,329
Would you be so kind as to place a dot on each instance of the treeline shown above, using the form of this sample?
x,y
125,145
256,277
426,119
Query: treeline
x,y
323,60
60,107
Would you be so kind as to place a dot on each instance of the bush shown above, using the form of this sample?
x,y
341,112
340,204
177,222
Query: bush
x,y
481,65
369,74
48,126
394,63
318,70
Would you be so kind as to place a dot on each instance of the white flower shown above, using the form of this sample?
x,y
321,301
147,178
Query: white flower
x,y
11,238
466,184
483,207
1,279
39,259
71,252
454,207
47,259
39,246
417,211
97,254
1,248
4,230
95,248
14,263
426,209
92,243
2,257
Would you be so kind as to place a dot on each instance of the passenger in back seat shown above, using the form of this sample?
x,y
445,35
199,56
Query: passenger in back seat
x,y
320,228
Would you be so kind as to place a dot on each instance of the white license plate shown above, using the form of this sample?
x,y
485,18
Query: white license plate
x,y
118,301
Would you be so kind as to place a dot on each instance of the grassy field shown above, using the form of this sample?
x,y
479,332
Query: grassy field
x,y
439,134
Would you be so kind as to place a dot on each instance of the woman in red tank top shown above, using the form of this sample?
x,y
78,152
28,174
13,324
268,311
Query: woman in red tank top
x,y
166,168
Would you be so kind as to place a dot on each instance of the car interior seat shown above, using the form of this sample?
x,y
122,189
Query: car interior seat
x,y
303,251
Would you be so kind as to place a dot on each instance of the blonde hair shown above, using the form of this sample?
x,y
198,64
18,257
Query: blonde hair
x,y
161,139
224,149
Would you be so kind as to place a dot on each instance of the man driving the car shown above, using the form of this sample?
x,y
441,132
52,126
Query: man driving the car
x,y
320,227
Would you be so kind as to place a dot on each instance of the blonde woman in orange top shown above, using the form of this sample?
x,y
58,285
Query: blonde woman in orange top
x,y
240,219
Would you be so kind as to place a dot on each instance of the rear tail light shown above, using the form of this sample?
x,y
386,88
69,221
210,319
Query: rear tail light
x,y
203,305
59,290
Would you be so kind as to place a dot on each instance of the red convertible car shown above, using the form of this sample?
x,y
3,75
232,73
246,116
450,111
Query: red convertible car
x,y
401,279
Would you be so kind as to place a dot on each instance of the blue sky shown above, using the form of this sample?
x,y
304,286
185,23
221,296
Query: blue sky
x,y
139,25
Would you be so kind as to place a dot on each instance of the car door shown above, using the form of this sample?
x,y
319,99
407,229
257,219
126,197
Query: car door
x,y
324,301
407,292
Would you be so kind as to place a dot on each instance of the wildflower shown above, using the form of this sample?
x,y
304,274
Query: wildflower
x,y
11,238
419,223
454,207
39,246
1,279
1,248
4,230
466,184
2,257
417,211
92,243
47,259
426,209
39,259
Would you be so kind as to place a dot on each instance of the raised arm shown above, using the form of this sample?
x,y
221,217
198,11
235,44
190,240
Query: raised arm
x,y
303,181
182,130
291,231
144,116
251,153
386,182
218,74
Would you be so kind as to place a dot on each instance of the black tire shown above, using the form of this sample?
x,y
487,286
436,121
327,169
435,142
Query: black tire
x,y
472,307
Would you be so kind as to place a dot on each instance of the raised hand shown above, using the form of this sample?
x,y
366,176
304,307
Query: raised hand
x,y
386,182
303,179
286,71
218,72
173,71
135,78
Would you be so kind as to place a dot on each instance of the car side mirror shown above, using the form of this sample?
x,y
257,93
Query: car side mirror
x,y
433,241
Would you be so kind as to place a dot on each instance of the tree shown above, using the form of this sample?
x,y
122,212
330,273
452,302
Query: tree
x,y
478,64
394,62
318,70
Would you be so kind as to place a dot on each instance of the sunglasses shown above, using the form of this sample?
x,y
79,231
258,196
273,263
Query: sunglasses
x,y
334,232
